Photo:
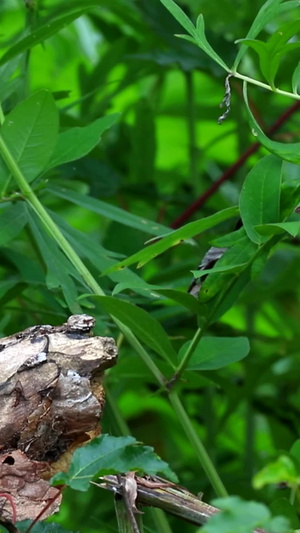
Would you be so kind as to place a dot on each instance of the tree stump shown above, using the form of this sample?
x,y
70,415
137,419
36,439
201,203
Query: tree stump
x,y
51,401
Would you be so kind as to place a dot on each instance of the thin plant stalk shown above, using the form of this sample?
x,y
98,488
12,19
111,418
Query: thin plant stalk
x,y
201,452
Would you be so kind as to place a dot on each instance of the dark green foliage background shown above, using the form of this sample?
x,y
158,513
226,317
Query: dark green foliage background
x,y
165,150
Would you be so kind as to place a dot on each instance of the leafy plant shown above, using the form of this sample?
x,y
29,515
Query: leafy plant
x,y
94,159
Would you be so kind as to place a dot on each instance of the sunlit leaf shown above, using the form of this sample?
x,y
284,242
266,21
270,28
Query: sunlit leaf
x,y
283,469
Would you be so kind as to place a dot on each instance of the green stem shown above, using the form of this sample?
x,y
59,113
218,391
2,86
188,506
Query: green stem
x,y
265,86
201,452
190,350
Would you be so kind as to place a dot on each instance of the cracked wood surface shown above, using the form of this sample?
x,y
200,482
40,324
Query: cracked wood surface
x,y
51,401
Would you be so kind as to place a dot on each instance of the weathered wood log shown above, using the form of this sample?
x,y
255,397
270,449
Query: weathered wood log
x,y
51,401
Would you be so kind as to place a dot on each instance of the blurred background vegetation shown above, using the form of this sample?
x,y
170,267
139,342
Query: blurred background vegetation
x,y
165,151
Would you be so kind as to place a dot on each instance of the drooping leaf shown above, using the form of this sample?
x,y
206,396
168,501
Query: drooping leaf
x,y
77,142
30,132
260,196
186,232
110,211
110,455
142,324
288,152
213,353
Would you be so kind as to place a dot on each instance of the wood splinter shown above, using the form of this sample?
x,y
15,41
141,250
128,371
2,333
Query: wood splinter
x,y
51,401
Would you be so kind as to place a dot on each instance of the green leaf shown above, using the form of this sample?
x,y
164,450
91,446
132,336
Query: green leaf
x,y
213,353
265,55
180,16
142,324
182,298
283,469
215,269
296,79
204,44
110,211
47,29
271,53
268,11
229,239
230,293
260,196
12,220
288,152
77,142
295,450
197,34
60,272
235,259
88,247
239,516
275,229
282,507
110,455
186,232
30,131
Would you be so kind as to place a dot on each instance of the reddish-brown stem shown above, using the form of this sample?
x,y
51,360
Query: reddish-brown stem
x,y
179,221
12,503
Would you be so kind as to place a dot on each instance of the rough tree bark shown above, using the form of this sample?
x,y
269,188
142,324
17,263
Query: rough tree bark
x,y
51,401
